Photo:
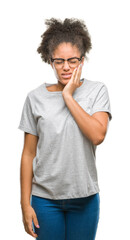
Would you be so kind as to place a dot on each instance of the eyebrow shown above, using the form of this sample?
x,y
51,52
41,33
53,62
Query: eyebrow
x,y
66,59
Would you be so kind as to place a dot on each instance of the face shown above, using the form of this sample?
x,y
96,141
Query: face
x,y
65,50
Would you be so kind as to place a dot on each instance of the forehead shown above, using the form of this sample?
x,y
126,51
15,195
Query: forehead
x,y
66,50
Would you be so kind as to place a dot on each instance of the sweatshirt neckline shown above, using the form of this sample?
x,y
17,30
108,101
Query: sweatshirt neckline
x,y
60,92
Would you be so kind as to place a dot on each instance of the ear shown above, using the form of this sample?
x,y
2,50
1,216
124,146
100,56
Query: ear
x,y
82,60
51,64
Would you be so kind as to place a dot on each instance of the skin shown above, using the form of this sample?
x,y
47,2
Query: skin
x,y
93,127
26,175
65,50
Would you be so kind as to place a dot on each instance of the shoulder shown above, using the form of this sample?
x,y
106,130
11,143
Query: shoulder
x,y
95,84
35,93
95,87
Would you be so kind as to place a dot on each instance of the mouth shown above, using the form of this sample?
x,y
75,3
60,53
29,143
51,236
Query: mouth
x,y
67,75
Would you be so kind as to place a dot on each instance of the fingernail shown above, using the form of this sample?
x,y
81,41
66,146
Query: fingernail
x,y
37,226
81,64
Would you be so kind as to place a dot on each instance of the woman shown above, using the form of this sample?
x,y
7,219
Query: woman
x,y
63,124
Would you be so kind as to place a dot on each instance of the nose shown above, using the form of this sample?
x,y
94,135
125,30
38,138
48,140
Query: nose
x,y
66,65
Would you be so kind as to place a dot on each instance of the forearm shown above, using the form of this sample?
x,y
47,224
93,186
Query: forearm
x,y
90,126
26,174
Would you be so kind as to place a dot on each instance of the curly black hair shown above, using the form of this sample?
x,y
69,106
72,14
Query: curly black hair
x,y
70,30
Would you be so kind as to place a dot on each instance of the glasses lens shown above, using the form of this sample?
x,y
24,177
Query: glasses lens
x,y
73,62
58,63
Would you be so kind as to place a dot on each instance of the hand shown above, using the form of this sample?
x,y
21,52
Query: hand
x,y
29,215
74,82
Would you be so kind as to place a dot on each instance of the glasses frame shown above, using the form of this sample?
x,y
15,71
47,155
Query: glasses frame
x,y
52,59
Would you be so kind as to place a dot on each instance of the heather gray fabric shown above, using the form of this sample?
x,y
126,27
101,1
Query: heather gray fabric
x,y
65,163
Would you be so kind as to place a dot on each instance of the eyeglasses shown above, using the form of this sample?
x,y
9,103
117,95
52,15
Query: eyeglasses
x,y
73,62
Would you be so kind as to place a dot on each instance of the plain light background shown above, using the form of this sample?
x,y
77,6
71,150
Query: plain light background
x,y
22,69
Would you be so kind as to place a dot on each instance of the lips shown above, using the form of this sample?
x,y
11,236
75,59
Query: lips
x,y
66,75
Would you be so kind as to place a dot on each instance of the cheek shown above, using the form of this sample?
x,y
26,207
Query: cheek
x,y
58,72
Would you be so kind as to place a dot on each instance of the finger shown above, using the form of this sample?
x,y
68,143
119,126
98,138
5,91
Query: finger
x,y
35,220
73,74
31,232
78,74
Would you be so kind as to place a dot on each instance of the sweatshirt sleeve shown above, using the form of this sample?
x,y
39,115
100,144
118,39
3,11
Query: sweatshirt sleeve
x,y
102,101
27,122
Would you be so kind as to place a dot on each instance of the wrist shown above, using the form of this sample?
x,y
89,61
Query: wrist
x,y
25,204
67,95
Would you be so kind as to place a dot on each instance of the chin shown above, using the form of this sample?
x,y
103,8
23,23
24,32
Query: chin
x,y
64,81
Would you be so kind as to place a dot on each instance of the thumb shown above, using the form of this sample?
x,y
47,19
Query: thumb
x,y
35,221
